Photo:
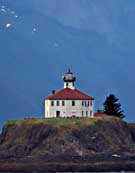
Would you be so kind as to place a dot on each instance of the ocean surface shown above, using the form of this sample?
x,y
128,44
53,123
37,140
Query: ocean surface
x,y
78,172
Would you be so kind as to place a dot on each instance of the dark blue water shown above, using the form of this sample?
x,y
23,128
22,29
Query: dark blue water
x,y
78,172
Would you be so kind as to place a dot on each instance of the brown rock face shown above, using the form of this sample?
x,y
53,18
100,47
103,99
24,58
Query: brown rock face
x,y
74,141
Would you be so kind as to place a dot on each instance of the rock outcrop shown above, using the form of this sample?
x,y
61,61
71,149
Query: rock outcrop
x,y
67,141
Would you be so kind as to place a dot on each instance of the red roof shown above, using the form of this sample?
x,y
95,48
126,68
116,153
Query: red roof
x,y
100,115
69,94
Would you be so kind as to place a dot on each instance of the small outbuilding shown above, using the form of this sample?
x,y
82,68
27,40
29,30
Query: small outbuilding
x,y
100,115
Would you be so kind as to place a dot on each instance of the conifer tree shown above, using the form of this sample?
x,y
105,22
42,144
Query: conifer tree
x,y
113,107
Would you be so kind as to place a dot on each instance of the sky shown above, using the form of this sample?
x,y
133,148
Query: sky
x,y
41,39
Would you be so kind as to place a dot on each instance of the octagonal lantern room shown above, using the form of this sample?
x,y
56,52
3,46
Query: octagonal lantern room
x,y
69,80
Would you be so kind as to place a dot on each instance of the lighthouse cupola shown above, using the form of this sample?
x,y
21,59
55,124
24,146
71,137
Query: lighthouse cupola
x,y
69,80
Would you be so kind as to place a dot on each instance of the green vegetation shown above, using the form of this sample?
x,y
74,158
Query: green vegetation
x,y
58,121
112,107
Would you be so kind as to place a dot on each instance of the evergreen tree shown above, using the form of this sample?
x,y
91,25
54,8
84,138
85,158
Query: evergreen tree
x,y
99,111
112,107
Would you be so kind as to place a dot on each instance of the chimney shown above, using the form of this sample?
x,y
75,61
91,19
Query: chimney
x,y
53,91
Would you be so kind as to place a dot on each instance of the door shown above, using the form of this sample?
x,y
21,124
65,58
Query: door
x,y
57,114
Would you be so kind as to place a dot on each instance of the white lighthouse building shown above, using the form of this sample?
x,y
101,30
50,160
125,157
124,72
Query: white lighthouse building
x,y
69,102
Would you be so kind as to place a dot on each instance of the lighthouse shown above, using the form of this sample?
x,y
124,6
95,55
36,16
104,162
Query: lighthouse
x,y
69,80
69,102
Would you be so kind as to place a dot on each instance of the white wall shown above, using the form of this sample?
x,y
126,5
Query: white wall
x,y
70,85
68,110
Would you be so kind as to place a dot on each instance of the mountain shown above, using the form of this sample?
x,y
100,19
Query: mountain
x,y
41,39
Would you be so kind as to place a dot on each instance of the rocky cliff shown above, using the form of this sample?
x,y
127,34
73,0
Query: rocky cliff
x,y
66,141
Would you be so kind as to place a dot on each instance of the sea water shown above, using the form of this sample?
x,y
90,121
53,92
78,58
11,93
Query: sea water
x,y
77,172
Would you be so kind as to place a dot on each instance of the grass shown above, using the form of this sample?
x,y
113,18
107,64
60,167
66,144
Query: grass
x,y
59,121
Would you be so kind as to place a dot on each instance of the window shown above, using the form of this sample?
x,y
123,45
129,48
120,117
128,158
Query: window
x,y
91,103
52,103
82,113
67,84
73,103
58,103
63,103
82,103
85,104
88,103
86,113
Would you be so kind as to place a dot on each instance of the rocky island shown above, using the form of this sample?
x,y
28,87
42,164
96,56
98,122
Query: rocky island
x,y
76,144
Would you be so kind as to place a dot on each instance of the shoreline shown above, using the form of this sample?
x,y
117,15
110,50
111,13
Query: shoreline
x,y
68,167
